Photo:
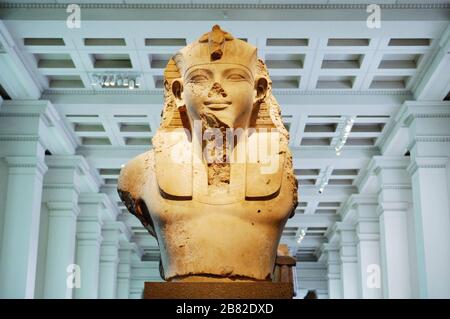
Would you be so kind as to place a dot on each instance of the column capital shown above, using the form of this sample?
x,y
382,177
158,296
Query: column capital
x,y
85,238
112,258
394,206
62,209
76,162
60,138
379,166
412,110
378,163
350,211
80,172
111,231
26,165
97,205
330,252
93,199
426,162
342,227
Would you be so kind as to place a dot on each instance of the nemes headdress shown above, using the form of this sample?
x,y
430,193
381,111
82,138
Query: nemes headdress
x,y
216,47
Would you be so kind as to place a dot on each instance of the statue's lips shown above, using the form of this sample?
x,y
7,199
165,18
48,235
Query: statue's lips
x,y
217,105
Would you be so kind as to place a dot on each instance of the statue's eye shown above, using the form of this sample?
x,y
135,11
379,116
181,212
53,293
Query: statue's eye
x,y
236,77
198,78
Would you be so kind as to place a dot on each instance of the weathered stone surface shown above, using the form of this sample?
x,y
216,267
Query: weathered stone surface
x,y
218,186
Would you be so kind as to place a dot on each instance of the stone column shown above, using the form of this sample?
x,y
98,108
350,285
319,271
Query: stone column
x,y
61,191
334,271
429,146
27,129
19,243
394,201
109,259
348,260
89,238
368,246
124,270
432,222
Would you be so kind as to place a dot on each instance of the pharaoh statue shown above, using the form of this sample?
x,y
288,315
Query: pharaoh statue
x,y
216,206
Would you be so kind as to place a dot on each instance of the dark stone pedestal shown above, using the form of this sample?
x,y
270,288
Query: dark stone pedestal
x,y
218,290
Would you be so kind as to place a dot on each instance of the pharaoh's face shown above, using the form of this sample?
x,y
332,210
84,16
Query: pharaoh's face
x,y
226,91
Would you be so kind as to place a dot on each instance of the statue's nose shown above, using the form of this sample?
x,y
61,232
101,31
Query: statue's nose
x,y
217,89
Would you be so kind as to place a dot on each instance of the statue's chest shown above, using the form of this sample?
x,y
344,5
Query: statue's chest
x,y
255,171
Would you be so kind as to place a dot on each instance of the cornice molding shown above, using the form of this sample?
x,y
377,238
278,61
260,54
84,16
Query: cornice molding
x,y
26,162
93,199
411,110
45,111
61,186
62,209
356,200
334,276
395,186
427,162
341,226
68,162
231,6
379,163
108,258
365,237
349,259
111,207
428,139
49,93
433,139
86,238
389,207
20,138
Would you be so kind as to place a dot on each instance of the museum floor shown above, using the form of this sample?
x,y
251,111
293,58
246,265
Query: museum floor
x,y
366,105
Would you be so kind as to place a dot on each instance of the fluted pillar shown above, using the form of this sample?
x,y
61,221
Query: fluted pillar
x,y
333,271
20,236
88,241
124,270
348,260
109,260
368,247
396,248
61,191
27,129
429,146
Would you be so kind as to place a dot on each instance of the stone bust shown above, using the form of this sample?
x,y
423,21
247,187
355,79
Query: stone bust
x,y
216,209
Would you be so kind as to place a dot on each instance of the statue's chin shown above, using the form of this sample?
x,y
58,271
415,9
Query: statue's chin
x,y
217,119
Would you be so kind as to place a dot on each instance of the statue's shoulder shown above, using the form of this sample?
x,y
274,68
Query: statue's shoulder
x,y
135,174
133,177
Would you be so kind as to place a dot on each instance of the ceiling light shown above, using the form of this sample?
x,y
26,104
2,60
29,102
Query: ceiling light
x,y
350,120
116,80
325,178
300,235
